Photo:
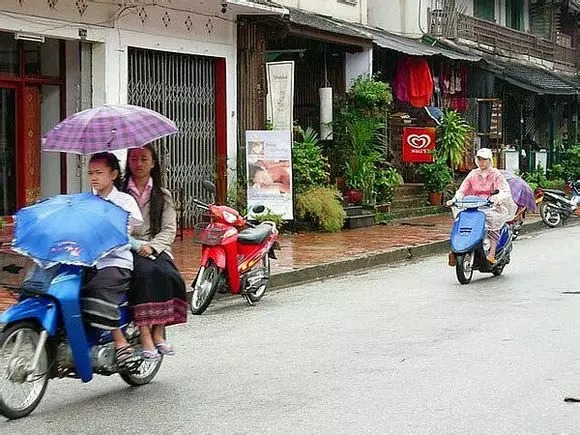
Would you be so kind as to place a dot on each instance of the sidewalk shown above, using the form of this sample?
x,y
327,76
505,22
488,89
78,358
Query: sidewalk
x,y
311,256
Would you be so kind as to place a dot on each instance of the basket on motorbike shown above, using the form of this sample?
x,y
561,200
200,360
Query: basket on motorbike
x,y
208,235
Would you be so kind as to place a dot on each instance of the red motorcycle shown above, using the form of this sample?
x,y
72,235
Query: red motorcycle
x,y
235,255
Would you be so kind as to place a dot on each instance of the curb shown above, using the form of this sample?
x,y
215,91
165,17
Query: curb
x,y
343,267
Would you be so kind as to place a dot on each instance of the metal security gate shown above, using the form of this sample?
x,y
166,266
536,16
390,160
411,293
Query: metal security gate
x,y
183,88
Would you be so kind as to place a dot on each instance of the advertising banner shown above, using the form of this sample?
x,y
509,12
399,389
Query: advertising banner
x,y
418,144
269,169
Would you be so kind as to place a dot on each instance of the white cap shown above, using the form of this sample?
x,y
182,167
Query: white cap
x,y
484,153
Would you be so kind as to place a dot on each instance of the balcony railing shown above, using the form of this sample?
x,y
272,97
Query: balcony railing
x,y
502,39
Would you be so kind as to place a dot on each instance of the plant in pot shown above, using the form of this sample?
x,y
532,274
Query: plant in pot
x,y
436,177
452,136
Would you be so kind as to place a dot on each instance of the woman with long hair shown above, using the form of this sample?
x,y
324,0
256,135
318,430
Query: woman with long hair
x,y
157,296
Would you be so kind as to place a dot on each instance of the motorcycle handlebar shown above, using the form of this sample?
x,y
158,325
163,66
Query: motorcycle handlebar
x,y
200,204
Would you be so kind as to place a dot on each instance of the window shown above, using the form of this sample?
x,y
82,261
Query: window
x,y
514,14
484,9
349,2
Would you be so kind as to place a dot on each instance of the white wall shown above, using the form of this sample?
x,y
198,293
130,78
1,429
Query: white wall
x,y
335,8
49,161
358,64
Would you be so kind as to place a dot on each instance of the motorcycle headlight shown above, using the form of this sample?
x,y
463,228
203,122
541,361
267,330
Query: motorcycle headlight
x,y
230,218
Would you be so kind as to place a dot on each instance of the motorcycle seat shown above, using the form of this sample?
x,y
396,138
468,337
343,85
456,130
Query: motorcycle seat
x,y
555,191
255,236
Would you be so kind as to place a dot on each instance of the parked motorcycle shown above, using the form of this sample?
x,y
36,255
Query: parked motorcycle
x,y
555,206
470,241
235,255
43,336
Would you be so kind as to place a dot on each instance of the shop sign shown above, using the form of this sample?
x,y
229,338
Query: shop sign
x,y
418,144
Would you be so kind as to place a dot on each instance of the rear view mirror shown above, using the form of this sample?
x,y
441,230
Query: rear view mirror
x,y
209,186
257,209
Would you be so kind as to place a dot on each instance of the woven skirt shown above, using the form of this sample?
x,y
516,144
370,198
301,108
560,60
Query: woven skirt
x,y
157,295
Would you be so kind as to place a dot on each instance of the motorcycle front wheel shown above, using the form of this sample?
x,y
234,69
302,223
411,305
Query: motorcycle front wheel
x,y
464,267
204,289
21,391
550,217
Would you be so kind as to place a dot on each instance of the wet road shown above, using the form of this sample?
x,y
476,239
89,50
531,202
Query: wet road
x,y
401,349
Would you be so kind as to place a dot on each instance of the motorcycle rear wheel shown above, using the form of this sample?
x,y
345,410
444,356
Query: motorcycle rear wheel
x,y
464,267
551,218
204,290
13,374
146,371
258,294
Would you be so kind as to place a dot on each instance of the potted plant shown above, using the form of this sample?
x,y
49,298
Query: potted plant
x,y
436,177
452,136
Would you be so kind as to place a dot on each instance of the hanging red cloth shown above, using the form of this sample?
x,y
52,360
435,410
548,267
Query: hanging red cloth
x,y
420,83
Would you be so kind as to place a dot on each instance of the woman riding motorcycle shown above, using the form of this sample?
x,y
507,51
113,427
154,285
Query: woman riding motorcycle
x,y
482,182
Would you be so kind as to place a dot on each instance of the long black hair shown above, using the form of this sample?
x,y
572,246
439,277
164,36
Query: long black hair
x,y
112,162
157,201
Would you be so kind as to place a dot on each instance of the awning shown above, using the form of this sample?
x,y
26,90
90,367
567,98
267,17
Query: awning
x,y
343,32
257,7
414,47
533,79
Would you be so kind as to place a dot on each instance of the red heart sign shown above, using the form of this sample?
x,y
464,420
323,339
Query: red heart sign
x,y
418,144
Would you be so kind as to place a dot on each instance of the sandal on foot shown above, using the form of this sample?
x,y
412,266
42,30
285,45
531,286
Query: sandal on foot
x,y
125,356
165,348
150,354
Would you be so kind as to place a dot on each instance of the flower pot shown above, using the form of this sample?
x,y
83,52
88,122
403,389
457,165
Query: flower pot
x,y
354,196
436,198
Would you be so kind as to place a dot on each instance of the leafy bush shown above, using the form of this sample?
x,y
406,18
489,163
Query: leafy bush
x,y
370,96
385,182
571,164
436,176
321,206
309,165
537,178
268,215
452,136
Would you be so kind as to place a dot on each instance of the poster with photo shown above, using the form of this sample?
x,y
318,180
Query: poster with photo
x,y
269,169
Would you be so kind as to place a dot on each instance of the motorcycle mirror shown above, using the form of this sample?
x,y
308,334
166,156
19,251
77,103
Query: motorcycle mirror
x,y
257,209
209,186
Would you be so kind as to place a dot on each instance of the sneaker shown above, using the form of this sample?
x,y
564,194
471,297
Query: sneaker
x,y
150,354
452,259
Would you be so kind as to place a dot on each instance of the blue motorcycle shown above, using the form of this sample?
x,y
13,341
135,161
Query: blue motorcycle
x,y
470,242
43,336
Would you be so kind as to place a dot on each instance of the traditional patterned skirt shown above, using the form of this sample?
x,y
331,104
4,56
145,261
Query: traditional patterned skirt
x,y
157,295
103,291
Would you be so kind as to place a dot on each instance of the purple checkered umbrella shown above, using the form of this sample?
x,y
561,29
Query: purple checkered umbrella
x,y
522,193
108,127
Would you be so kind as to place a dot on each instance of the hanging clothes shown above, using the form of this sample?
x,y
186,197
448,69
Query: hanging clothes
x,y
413,82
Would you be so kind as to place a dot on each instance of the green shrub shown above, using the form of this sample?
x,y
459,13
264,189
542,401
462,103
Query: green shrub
x,y
436,176
321,206
385,182
268,215
452,136
308,163
570,163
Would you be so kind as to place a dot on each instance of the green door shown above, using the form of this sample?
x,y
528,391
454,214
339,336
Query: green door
x,y
514,14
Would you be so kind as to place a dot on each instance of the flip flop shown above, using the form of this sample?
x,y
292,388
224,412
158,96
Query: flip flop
x,y
165,348
150,354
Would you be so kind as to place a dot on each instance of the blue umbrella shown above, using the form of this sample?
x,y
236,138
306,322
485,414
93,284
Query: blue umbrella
x,y
76,229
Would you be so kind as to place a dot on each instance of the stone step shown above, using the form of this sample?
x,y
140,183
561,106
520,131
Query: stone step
x,y
364,220
419,211
409,190
409,202
353,210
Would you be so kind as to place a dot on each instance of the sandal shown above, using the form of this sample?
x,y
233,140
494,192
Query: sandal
x,y
150,354
125,356
165,348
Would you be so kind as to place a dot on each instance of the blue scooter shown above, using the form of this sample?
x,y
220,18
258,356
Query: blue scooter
x,y
43,336
470,242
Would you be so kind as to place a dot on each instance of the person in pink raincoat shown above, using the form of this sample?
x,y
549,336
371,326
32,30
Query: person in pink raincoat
x,y
481,182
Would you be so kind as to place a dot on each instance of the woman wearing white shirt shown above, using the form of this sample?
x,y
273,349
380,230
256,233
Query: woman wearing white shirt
x,y
107,283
